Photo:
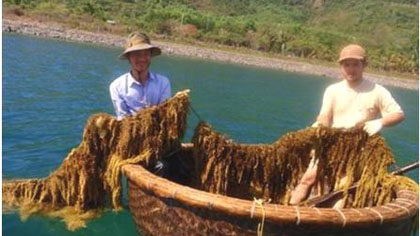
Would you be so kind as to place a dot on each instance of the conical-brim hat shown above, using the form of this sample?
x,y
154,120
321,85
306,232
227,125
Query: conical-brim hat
x,y
138,42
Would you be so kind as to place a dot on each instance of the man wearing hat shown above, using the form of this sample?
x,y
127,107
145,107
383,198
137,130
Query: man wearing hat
x,y
139,88
354,101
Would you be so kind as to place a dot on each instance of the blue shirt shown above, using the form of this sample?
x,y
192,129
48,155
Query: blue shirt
x,y
129,96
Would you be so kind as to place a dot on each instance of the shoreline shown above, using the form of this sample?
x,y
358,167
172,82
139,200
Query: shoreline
x,y
56,31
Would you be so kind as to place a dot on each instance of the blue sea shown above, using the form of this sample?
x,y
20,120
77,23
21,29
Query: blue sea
x,y
50,88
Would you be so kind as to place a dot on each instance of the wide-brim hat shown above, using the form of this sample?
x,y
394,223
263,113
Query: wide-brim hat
x,y
352,51
138,42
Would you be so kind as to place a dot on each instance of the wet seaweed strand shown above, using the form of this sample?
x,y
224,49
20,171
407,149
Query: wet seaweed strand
x,y
272,171
89,176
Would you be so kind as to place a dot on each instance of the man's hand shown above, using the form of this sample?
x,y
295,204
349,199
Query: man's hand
x,y
315,124
373,127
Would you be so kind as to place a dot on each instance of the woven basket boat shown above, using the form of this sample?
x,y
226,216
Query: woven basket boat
x,y
162,207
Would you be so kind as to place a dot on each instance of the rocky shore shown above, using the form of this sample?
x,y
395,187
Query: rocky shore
x,y
57,31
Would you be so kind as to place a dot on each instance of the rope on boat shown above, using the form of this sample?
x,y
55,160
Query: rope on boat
x,y
388,208
211,203
298,215
404,191
378,213
260,203
401,207
252,209
342,216
317,210
406,201
357,211
174,192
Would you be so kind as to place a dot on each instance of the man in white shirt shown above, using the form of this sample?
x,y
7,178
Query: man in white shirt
x,y
351,102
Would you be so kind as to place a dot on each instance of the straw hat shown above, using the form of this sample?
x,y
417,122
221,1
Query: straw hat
x,y
353,51
137,42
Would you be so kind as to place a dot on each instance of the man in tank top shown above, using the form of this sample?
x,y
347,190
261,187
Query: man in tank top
x,y
139,88
351,102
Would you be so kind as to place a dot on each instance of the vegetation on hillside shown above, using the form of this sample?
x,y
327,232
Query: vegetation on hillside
x,y
300,28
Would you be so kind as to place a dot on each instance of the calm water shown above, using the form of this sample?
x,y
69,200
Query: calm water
x,y
50,88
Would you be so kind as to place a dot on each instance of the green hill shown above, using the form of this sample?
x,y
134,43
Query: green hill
x,y
302,28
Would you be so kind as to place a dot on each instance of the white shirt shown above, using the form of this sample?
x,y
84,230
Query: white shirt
x,y
348,106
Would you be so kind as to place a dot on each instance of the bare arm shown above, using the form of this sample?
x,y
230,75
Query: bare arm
x,y
391,112
374,126
393,119
325,115
324,120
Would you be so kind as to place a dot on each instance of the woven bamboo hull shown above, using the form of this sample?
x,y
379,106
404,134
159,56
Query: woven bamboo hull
x,y
168,217
156,216
161,207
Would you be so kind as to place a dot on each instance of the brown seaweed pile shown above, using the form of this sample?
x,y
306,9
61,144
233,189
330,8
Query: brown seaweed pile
x,y
89,176
272,171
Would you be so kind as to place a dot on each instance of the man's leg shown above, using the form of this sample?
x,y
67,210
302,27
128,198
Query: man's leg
x,y
308,179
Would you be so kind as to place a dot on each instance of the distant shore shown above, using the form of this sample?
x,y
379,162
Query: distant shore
x,y
51,30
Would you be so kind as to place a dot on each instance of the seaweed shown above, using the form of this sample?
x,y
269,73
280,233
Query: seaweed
x,y
271,171
89,178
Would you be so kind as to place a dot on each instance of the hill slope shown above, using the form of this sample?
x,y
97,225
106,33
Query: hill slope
x,y
301,28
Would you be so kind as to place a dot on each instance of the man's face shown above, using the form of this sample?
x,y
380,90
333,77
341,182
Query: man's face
x,y
140,60
352,69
